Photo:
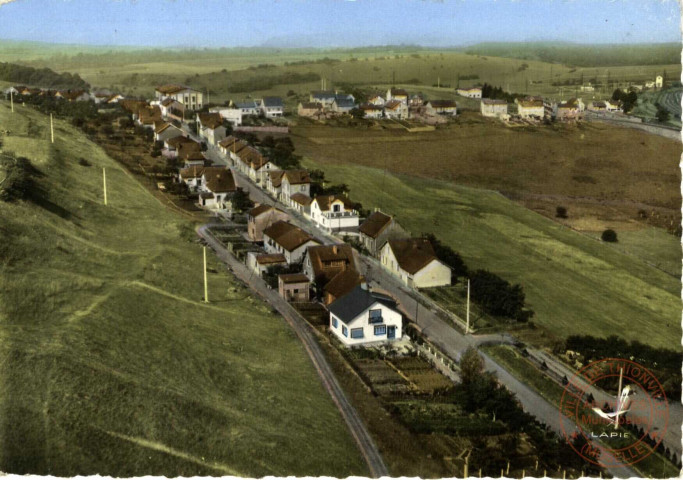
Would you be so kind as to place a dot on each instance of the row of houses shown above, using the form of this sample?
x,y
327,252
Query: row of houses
x,y
76,95
538,108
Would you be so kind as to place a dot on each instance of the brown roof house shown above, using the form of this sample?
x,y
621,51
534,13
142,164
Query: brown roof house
x,y
210,126
164,131
260,263
301,203
295,181
334,213
294,287
190,98
216,188
323,264
376,230
441,107
290,240
413,261
261,217
341,284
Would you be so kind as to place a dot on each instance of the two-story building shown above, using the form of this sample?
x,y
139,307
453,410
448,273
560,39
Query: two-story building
x,y
333,213
210,126
396,109
363,317
216,189
294,181
491,107
441,107
413,261
398,94
190,98
322,263
261,217
530,108
165,131
376,230
272,107
290,240
372,111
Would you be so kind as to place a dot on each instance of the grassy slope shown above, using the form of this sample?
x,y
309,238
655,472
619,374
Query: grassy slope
x,y
109,361
575,284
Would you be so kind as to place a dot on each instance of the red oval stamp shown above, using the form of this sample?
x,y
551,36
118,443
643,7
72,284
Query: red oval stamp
x,y
614,412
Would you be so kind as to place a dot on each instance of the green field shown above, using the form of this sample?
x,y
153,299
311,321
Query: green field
x,y
137,71
110,362
575,284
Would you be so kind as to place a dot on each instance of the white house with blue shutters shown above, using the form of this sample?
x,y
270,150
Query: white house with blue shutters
x,y
363,317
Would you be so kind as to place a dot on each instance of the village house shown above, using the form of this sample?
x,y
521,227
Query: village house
x,y
295,181
341,284
293,287
372,111
343,103
613,105
229,114
216,188
324,97
210,126
659,81
376,230
73,95
170,149
260,263
232,147
106,98
376,99
413,261
165,131
272,107
190,98
172,108
395,109
261,217
148,115
256,166
247,107
310,109
334,213
192,158
291,241
569,110
322,263
363,317
191,176
274,183
441,107
398,94
494,108
301,203
469,92
416,100
530,108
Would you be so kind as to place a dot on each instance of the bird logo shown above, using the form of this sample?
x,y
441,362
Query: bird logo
x,y
622,405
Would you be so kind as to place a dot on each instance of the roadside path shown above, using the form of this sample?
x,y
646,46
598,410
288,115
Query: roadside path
x,y
358,430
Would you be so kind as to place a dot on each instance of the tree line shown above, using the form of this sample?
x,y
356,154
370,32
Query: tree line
x,y
43,77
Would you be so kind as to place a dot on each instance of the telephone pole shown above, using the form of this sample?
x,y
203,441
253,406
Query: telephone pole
x,y
104,184
11,100
52,130
206,281
467,328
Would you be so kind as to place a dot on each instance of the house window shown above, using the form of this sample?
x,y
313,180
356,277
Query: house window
x,y
335,208
345,331
334,322
380,330
376,316
356,333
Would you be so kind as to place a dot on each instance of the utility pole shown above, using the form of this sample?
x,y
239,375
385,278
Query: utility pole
x,y
467,328
206,281
52,130
11,100
618,407
104,184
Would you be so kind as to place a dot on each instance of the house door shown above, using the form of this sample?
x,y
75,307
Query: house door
x,y
391,332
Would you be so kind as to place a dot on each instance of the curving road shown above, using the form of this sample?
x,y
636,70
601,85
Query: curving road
x,y
304,331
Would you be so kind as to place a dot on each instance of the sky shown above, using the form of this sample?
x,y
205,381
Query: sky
x,y
332,23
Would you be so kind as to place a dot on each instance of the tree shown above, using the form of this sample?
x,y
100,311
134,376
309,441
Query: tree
x,y
498,297
663,114
609,235
561,212
448,256
357,113
471,366
241,200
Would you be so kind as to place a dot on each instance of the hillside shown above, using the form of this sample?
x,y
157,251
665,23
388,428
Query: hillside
x,y
110,362
574,283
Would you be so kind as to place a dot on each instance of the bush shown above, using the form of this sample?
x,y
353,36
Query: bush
x,y
83,162
561,212
609,235
498,297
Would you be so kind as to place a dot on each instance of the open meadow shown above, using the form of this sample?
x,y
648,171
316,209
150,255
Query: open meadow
x,y
111,363
574,283
238,73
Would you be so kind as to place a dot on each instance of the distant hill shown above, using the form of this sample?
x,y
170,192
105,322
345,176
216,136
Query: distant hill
x,y
40,77
582,55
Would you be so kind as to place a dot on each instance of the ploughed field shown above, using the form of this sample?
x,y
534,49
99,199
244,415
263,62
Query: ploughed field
x,y
110,362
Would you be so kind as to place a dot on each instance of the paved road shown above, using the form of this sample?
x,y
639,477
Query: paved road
x,y
441,334
304,331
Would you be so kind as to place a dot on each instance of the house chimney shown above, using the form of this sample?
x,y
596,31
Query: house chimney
x,y
334,249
